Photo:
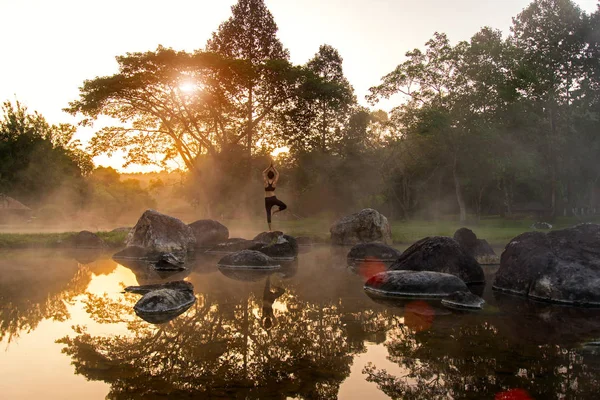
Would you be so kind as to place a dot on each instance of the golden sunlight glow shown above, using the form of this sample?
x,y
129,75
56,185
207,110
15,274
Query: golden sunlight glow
x,y
280,150
187,87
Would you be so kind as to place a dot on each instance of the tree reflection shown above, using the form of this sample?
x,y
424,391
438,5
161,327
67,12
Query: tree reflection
x,y
479,357
35,286
219,347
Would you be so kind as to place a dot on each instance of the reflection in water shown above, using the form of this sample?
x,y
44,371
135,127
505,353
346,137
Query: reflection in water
x,y
269,297
295,334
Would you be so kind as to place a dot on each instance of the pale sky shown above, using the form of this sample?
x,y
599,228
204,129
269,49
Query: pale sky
x,y
49,47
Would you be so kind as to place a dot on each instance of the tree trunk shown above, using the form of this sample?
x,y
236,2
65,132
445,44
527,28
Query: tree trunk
x,y
459,197
249,127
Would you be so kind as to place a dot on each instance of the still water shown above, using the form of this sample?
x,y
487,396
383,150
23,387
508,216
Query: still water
x,y
67,331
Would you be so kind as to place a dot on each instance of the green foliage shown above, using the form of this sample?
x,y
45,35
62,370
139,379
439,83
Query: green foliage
x,y
116,199
38,160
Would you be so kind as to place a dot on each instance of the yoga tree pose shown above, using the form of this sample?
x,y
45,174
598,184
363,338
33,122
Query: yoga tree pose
x,y
270,177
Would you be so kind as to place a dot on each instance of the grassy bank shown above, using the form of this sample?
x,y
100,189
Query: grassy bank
x,y
496,231
53,240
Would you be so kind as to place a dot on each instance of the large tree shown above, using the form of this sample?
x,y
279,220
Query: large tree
x,y
322,110
550,35
249,35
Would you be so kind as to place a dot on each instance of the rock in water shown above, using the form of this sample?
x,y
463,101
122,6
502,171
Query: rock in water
x,y
231,246
562,266
248,259
161,233
423,284
162,305
473,246
365,226
276,245
463,300
370,251
440,254
209,233
85,240
170,262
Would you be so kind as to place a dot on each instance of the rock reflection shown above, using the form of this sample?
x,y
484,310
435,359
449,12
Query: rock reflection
x,y
482,356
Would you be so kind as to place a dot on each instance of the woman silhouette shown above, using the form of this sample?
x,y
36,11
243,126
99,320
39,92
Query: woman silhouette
x,y
270,177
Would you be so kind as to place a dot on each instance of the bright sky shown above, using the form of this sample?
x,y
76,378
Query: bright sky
x,y
50,47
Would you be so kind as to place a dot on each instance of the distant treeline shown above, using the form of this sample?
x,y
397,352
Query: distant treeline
x,y
499,124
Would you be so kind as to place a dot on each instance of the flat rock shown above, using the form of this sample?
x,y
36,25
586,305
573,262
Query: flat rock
x,y
250,259
276,245
425,284
162,305
440,254
231,246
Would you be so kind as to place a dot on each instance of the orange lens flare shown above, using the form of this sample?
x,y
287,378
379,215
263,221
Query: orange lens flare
x,y
418,315
513,394
370,266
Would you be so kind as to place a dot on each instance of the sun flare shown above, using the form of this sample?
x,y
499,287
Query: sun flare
x,y
187,87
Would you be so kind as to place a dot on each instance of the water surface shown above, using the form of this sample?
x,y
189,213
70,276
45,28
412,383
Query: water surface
x,y
68,331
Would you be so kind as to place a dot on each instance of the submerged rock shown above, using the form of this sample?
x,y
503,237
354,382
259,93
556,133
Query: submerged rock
x,y
467,239
248,259
463,300
562,266
440,254
373,251
174,285
276,245
413,284
209,233
231,246
162,305
365,226
160,233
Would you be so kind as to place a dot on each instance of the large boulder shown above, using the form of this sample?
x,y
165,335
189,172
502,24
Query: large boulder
x,y
161,233
209,233
162,305
471,244
276,245
440,254
424,284
248,259
232,245
562,266
365,226
85,240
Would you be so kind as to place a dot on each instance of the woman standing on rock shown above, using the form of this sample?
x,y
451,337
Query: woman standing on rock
x,y
270,177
